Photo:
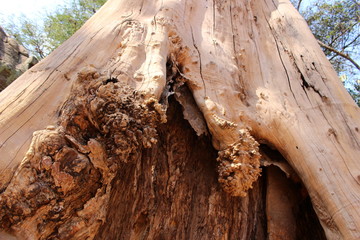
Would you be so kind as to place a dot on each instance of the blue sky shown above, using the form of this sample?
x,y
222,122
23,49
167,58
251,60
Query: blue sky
x,y
33,9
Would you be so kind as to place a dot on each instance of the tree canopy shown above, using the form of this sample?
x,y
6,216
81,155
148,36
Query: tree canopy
x,y
66,21
42,37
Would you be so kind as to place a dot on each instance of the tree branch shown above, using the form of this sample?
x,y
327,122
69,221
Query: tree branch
x,y
298,6
347,30
351,42
346,56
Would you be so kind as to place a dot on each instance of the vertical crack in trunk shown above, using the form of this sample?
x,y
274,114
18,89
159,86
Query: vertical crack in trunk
x,y
282,62
200,63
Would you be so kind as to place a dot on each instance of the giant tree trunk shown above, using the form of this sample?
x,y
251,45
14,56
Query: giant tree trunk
x,y
93,142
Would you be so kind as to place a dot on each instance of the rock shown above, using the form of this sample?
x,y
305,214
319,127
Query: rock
x,y
14,59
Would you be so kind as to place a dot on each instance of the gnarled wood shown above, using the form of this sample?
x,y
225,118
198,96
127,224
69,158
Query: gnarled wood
x,y
256,74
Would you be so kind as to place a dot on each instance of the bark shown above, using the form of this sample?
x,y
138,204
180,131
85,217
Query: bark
x,y
106,165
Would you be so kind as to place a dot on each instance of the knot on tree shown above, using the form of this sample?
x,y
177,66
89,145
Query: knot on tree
x,y
239,165
54,181
112,112
67,172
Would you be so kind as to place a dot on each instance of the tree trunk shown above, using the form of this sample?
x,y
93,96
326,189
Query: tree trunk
x,y
94,144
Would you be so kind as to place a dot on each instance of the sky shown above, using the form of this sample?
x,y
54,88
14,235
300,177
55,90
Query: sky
x,y
33,9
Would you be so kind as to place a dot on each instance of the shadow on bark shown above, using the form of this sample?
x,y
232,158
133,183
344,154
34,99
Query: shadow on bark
x,y
172,192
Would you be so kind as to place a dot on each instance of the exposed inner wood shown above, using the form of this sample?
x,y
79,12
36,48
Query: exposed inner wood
x,y
62,188
161,196
255,72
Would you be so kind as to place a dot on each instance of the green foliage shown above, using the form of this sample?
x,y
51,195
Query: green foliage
x,y
29,34
8,74
60,25
42,38
337,24
355,92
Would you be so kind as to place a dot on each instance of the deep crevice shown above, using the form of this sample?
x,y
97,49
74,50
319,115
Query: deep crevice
x,y
185,170
200,63
280,57
306,85
177,86
110,80
298,208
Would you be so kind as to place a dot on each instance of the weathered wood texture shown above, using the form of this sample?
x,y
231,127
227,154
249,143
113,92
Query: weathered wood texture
x,y
170,191
163,195
254,69
169,200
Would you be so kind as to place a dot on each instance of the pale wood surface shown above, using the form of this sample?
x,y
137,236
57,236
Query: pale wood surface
x,y
252,66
